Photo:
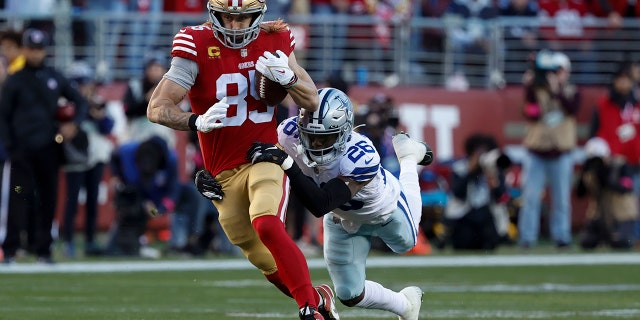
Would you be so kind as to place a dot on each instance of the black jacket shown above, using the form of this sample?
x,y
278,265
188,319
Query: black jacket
x,y
28,105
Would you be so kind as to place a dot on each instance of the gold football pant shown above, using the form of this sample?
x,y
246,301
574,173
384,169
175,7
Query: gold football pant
x,y
252,191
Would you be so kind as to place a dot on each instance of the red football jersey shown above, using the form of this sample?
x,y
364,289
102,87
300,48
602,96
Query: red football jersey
x,y
225,72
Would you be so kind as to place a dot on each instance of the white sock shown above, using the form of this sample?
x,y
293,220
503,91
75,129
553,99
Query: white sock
x,y
378,297
411,187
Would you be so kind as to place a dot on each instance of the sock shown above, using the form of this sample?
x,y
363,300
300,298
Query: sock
x,y
277,281
378,297
411,188
290,261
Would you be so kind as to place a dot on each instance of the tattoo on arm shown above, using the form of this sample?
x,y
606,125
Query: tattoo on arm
x,y
171,116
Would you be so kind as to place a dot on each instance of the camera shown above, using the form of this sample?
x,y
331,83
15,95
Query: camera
x,y
494,161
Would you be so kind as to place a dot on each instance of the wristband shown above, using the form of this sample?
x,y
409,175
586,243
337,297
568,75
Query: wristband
x,y
192,122
287,163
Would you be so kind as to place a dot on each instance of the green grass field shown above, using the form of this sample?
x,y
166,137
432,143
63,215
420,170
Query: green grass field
x,y
583,291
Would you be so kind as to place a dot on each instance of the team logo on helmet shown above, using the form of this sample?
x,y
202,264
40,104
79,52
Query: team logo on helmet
x,y
325,132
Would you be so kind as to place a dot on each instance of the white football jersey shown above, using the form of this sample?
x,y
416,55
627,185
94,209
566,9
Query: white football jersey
x,y
360,161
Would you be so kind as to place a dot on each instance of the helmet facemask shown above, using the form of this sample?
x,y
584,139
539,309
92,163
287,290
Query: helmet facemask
x,y
236,39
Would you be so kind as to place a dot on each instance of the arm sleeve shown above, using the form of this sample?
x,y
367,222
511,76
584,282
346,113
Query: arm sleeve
x,y
183,72
318,200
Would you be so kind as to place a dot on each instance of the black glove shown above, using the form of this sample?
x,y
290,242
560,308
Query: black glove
x,y
265,152
208,186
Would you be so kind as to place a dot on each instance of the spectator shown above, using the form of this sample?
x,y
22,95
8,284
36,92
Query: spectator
x,y
12,60
331,14
550,108
148,185
567,26
132,22
612,10
612,209
476,214
278,9
184,6
616,119
136,101
216,73
11,50
87,175
28,110
466,22
380,123
433,38
526,35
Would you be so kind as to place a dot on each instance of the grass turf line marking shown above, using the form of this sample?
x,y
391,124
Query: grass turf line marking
x,y
317,263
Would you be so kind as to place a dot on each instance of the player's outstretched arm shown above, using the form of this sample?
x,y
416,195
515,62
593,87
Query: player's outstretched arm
x,y
163,106
305,92
318,200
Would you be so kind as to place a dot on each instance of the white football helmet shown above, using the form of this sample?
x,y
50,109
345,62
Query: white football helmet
x,y
325,132
236,39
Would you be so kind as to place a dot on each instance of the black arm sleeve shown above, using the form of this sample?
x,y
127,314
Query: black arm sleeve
x,y
319,201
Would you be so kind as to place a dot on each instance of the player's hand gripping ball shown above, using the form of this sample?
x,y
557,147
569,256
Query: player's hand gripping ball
x,y
270,91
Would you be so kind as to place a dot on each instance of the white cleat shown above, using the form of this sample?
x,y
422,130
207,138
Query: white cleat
x,y
414,296
407,147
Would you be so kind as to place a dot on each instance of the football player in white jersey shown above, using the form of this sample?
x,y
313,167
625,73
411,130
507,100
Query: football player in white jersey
x,y
336,173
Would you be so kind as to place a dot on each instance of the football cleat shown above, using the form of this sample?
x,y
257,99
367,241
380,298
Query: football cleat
x,y
414,298
327,305
309,313
407,147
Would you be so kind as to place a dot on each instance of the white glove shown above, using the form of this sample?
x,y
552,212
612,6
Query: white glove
x,y
277,68
209,120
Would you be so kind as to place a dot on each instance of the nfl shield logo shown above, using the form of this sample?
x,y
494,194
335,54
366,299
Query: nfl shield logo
x,y
243,53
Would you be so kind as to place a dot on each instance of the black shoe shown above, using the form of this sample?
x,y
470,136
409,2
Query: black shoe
x,y
45,260
310,313
9,260
93,250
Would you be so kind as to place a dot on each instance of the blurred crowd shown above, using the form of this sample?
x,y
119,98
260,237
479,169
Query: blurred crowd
x,y
561,25
112,150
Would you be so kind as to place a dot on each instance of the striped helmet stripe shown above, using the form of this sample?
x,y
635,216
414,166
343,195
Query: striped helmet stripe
x,y
324,96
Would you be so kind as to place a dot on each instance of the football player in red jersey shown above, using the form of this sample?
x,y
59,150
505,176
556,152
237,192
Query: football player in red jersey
x,y
214,64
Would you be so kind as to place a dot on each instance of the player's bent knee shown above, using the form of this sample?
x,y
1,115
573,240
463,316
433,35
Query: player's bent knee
x,y
403,246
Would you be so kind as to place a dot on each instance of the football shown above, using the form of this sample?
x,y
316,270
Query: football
x,y
270,92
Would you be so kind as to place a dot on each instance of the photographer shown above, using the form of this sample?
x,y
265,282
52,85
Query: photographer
x,y
136,100
475,213
608,182
551,103
88,173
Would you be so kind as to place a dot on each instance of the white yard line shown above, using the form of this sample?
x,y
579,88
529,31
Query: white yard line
x,y
316,263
